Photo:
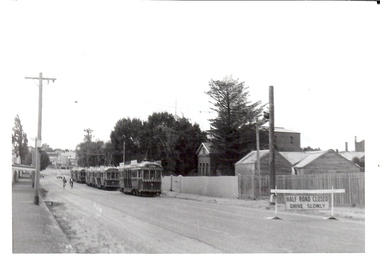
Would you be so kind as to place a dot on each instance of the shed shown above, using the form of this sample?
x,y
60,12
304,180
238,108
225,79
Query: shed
x,y
325,162
246,169
248,164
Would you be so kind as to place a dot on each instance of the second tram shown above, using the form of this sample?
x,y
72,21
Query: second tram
x,y
142,178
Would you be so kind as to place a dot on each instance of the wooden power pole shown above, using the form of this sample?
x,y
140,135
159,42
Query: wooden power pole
x,y
272,170
38,142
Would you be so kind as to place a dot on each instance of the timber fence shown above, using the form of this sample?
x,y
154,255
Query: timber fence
x,y
353,183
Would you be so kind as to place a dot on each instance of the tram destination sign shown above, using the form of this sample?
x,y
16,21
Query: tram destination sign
x,y
307,202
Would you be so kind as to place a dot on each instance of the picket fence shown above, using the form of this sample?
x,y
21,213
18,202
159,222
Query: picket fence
x,y
353,183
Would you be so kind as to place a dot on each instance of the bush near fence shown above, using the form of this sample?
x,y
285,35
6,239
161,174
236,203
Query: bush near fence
x,y
353,183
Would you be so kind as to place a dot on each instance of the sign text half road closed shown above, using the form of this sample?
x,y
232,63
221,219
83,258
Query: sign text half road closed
x,y
302,202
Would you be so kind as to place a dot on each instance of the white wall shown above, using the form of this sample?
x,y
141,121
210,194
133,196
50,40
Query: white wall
x,y
221,186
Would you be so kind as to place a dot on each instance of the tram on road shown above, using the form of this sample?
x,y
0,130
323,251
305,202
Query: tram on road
x,y
138,178
108,178
78,174
91,176
141,179
102,177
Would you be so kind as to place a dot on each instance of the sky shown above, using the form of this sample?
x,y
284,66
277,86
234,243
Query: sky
x,y
114,60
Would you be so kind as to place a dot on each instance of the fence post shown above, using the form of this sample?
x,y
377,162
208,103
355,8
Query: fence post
x,y
171,183
349,188
180,183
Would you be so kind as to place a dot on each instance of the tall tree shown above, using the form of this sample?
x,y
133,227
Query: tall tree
x,y
234,114
190,137
161,137
20,140
90,153
129,132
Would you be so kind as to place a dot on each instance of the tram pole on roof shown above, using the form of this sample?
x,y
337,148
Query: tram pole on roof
x,y
38,141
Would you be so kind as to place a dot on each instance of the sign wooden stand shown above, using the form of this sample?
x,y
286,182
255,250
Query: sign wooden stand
x,y
332,191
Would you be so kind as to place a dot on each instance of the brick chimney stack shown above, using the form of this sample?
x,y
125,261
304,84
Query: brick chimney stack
x,y
346,146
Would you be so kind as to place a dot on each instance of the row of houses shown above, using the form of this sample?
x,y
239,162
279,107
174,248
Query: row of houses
x,y
289,158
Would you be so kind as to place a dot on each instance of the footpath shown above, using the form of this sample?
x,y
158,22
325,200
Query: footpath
x,y
35,230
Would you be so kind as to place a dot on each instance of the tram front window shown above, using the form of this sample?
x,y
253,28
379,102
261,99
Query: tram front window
x,y
145,174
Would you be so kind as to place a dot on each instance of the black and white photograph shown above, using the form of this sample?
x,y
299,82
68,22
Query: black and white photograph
x,y
191,130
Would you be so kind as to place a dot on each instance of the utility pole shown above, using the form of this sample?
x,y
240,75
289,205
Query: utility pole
x,y
124,151
257,157
272,171
38,142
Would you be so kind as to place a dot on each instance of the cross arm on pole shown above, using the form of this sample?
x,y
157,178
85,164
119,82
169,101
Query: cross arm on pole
x,y
37,78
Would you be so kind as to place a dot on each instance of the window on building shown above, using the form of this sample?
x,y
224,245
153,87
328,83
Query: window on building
x,y
291,140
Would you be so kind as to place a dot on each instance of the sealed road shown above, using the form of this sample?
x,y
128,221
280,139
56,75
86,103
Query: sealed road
x,y
99,221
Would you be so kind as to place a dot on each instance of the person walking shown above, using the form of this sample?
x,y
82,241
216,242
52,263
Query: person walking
x,y
64,182
71,182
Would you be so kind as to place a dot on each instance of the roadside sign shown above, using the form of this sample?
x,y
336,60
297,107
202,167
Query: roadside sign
x,y
307,202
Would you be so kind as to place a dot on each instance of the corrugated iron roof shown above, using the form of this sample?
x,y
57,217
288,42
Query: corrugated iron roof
x,y
351,154
294,156
309,158
251,157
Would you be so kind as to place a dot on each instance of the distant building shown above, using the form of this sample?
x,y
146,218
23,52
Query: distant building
x,y
204,154
66,160
359,146
357,156
287,140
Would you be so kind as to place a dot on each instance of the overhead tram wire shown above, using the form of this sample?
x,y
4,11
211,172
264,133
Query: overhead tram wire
x,y
175,107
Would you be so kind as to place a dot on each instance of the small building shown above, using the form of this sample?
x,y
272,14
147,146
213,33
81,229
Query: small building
x,y
247,171
248,164
324,162
206,162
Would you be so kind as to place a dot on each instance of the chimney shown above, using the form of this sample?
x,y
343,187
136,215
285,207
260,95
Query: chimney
x,y
346,146
355,139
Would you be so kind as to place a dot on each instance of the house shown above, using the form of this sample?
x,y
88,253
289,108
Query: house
x,y
206,162
327,161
